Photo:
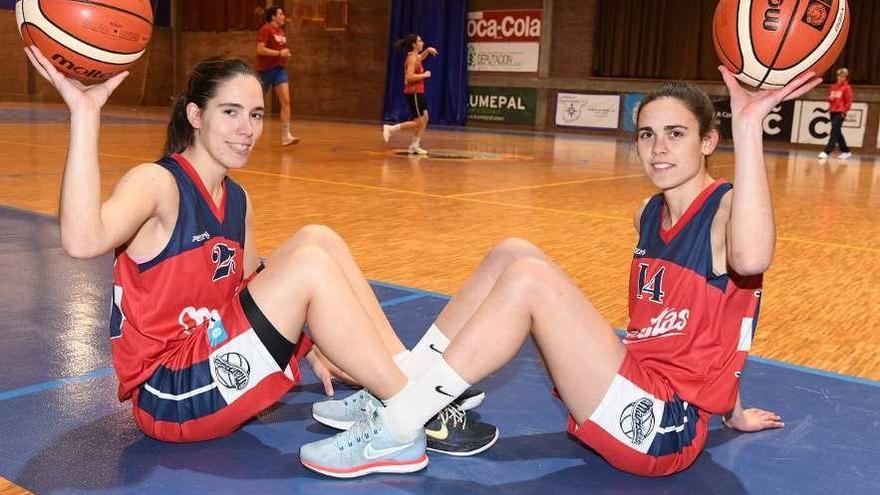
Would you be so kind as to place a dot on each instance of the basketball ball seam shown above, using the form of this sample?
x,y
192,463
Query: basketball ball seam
x,y
34,26
113,7
788,27
49,20
829,33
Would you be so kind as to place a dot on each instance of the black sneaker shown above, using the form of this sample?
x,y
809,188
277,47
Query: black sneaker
x,y
470,399
452,432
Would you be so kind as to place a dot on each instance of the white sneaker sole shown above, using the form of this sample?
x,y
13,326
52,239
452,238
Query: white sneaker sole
x,y
471,452
375,467
333,423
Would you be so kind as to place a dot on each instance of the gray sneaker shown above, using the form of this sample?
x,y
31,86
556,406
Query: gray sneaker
x,y
342,414
366,448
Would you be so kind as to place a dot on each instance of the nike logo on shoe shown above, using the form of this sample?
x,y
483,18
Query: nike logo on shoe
x,y
441,434
438,351
371,453
439,390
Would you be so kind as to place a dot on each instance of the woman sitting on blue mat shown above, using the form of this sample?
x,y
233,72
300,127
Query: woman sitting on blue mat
x,y
643,403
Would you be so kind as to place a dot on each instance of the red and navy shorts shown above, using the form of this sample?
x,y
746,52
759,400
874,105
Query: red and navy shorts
x,y
642,426
230,368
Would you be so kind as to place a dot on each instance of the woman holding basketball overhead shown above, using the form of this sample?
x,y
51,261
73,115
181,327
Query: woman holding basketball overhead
x,y
414,76
644,404
203,335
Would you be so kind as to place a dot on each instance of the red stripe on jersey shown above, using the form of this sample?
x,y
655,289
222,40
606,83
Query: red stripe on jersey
x,y
696,205
219,211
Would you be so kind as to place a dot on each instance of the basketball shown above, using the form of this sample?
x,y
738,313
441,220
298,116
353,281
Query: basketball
x,y
89,41
767,43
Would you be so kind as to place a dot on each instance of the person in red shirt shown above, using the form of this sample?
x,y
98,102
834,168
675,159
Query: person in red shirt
x,y
272,54
414,76
839,103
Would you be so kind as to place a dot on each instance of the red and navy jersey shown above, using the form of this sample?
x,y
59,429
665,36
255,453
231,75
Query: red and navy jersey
x,y
689,326
157,303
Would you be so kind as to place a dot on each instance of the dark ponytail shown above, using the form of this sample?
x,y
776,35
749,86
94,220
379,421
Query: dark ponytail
x,y
406,43
203,82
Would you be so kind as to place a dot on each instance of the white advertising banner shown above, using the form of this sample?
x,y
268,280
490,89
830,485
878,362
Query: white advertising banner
x,y
504,40
581,110
812,123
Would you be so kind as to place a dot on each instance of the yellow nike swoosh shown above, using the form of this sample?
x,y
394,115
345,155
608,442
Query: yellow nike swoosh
x,y
441,434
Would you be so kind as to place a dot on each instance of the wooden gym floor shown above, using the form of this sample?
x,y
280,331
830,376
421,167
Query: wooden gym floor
x,y
426,222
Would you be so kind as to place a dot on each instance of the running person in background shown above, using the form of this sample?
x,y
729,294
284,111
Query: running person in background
x,y
839,102
272,55
696,276
203,335
414,75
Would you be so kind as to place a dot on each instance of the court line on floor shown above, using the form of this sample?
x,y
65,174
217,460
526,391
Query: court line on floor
x,y
757,359
414,295
103,372
437,196
544,186
41,387
486,202
828,244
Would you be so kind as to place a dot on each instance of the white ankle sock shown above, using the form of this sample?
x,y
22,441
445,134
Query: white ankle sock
x,y
285,130
400,358
408,410
424,355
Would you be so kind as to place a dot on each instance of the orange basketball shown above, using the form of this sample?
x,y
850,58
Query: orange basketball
x,y
90,41
767,43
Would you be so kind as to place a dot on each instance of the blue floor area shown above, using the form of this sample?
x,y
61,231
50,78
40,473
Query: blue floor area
x,y
63,430
62,116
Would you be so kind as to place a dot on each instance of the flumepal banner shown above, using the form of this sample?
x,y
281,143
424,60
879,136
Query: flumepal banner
x,y
504,40
502,105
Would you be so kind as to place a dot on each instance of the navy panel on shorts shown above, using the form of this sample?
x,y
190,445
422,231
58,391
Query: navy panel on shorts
x,y
677,429
179,383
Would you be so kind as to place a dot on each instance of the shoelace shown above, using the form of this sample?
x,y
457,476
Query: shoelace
x,y
362,431
356,399
453,413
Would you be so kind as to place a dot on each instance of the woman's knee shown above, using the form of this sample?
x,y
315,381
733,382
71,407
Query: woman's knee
x,y
531,278
302,262
513,249
318,235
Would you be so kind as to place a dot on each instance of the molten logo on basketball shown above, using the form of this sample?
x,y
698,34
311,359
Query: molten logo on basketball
x,y
79,71
771,15
233,370
637,420
816,15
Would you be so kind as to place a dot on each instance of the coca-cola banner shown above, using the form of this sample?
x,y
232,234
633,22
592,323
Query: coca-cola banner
x,y
504,40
